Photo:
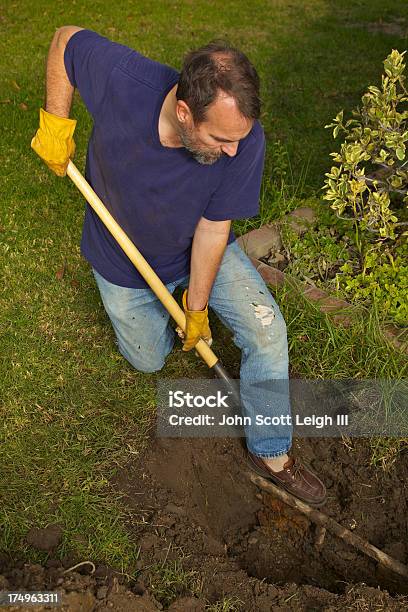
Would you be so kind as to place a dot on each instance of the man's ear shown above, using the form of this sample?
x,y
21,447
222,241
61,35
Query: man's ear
x,y
182,111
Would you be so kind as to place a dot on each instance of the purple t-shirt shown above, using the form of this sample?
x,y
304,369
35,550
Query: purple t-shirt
x,y
157,194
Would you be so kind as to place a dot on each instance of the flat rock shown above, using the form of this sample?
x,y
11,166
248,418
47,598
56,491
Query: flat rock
x,y
342,320
257,243
272,276
337,308
314,294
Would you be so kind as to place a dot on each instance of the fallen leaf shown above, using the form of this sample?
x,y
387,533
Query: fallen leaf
x,y
23,106
74,283
15,85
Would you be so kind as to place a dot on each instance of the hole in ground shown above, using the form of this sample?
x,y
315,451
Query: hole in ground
x,y
193,500
281,548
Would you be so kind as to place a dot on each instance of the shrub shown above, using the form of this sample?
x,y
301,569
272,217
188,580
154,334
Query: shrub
x,y
374,139
369,187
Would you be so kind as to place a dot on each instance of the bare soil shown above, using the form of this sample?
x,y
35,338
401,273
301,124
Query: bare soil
x,y
192,502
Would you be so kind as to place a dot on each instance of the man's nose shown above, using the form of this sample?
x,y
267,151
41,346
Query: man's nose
x,y
230,148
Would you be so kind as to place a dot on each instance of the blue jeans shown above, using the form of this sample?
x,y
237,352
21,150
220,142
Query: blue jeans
x,y
242,301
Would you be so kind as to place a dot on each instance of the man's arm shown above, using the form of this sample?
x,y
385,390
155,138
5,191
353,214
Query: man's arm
x,y
209,242
54,141
59,90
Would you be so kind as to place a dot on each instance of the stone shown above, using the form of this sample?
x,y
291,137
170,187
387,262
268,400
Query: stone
x,y
339,309
272,276
342,319
314,294
301,218
330,304
257,243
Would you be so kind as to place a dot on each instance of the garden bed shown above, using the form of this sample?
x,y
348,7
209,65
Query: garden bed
x,y
273,250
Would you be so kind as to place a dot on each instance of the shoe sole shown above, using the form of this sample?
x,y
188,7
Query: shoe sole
x,y
279,483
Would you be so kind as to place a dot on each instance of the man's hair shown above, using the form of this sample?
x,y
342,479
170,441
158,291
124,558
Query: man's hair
x,y
214,67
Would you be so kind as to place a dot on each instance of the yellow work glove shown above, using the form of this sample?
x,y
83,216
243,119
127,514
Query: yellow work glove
x,y
197,326
54,141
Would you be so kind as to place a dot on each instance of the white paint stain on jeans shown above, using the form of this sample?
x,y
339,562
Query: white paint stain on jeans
x,y
265,314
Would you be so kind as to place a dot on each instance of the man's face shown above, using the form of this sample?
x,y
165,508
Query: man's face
x,y
219,134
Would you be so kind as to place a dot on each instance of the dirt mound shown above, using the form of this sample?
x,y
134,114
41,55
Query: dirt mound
x,y
210,540
78,592
98,593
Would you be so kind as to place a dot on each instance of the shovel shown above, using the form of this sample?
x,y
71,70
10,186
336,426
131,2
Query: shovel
x,y
149,275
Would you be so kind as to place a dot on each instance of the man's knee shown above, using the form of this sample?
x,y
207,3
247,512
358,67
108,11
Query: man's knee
x,y
143,361
266,333
148,368
272,335
267,319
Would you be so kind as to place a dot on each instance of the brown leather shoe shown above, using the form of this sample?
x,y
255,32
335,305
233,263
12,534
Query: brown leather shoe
x,y
295,478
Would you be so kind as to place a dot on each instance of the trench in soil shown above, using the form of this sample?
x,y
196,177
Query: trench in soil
x,y
193,499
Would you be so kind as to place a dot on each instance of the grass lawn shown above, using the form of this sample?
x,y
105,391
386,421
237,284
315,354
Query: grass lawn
x,y
72,409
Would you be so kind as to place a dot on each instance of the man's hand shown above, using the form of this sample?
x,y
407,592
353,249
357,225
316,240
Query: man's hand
x,y
54,141
210,239
197,326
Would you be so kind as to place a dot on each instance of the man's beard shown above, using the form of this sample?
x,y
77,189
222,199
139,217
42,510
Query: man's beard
x,y
203,157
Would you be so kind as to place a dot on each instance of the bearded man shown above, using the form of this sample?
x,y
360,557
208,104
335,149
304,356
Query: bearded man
x,y
176,157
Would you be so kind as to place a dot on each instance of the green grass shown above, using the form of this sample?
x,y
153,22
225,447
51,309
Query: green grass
x,y
321,350
169,580
227,604
72,409
357,351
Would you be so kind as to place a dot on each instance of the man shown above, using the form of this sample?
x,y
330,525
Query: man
x,y
175,157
